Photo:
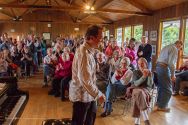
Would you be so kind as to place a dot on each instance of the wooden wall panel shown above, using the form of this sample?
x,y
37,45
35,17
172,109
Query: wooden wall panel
x,y
37,28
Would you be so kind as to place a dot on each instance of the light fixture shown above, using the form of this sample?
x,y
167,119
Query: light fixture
x,y
87,7
17,18
92,8
1,8
12,30
76,29
49,25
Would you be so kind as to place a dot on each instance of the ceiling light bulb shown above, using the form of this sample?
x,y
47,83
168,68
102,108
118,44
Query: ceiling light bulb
x,y
87,7
1,8
92,8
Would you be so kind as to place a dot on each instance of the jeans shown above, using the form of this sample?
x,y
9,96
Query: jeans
x,y
149,66
181,77
113,90
84,113
164,86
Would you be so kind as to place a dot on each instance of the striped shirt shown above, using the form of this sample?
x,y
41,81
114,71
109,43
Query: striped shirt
x,y
169,55
83,85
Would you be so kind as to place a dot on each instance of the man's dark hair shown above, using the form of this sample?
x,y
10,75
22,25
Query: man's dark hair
x,y
92,31
133,39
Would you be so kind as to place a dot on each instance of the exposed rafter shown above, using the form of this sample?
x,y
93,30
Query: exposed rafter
x,y
76,9
26,11
13,13
104,18
105,3
138,5
54,22
8,14
57,3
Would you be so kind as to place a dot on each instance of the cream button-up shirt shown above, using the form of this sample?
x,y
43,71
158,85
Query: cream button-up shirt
x,y
83,85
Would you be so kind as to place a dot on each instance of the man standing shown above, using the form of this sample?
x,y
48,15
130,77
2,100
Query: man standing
x,y
145,51
83,90
165,69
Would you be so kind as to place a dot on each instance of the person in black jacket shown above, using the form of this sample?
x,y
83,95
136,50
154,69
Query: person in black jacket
x,y
145,51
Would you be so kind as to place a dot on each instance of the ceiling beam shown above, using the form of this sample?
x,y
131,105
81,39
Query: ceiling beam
x,y
8,14
76,9
28,9
104,18
12,11
38,21
71,3
138,5
105,3
57,3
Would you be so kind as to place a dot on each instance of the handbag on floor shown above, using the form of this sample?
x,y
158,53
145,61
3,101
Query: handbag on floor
x,y
65,121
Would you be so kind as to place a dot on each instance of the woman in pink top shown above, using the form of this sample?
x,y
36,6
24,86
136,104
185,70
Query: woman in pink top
x,y
130,52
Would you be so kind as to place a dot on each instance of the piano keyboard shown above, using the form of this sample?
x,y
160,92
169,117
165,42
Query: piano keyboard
x,y
10,109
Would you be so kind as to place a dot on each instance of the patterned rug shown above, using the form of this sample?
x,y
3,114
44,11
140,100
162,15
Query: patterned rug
x,y
65,121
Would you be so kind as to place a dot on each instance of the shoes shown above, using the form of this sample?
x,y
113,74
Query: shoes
x,y
57,94
175,94
51,92
106,113
163,109
44,86
147,122
64,99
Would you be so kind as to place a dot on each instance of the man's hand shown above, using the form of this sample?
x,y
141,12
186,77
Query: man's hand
x,y
173,78
140,53
102,99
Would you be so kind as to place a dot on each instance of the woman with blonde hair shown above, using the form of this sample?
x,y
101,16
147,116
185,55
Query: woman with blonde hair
x,y
62,75
141,85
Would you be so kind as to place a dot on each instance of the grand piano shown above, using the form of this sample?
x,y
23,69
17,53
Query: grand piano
x,y
12,101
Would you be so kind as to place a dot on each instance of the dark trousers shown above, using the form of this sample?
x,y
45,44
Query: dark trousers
x,y
64,85
84,113
56,85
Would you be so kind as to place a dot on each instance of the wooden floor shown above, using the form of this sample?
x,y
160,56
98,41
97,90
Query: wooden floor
x,y
41,106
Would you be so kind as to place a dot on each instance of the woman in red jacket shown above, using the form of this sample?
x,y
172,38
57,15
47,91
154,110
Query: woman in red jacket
x,y
62,74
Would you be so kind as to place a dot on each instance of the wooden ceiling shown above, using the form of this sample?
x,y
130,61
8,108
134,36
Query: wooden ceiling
x,y
72,11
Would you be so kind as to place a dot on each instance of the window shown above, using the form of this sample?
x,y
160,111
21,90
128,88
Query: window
x,y
127,33
103,34
119,36
170,32
185,50
138,30
107,33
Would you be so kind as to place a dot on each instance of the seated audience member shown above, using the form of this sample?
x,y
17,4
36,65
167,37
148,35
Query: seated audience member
x,y
141,84
62,71
26,60
111,48
102,74
114,61
48,67
182,76
118,85
66,62
130,52
67,50
3,66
